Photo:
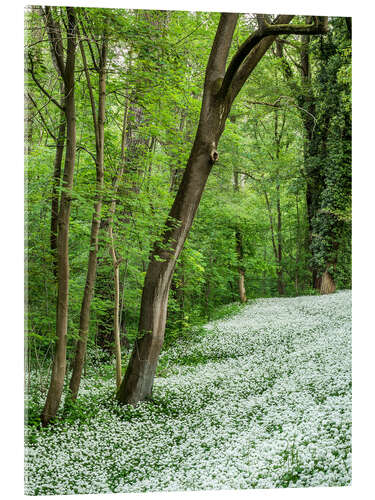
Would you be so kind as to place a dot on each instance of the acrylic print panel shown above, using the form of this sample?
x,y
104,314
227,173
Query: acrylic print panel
x,y
188,251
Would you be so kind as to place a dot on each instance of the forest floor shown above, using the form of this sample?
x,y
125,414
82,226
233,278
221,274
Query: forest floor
x,y
261,399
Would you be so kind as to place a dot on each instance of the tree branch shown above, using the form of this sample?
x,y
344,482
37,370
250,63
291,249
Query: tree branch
x,y
277,104
89,86
82,148
89,45
239,70
55,39
41,117
31,71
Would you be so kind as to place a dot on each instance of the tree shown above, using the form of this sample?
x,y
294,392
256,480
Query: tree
x,y
334,154
67,71
99,63
220,89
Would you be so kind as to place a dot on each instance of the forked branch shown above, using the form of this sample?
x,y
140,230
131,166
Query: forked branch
x,y
279,27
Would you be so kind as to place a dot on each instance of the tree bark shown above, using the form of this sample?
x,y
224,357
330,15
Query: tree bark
x,y
327,284
59,362
279,258
220,89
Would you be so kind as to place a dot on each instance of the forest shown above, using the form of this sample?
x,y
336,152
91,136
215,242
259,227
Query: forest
x,y
182,169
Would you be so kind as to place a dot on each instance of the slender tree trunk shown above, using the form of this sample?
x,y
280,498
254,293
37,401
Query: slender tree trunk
x,y
116,313
279,255
115,261
59,362
307,105
239,249
264,285
243,297
60,143
95,225
297,247
207,289
275,249
241,269
28,125
280,280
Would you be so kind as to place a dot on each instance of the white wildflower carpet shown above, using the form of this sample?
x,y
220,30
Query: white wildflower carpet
x,y
260,400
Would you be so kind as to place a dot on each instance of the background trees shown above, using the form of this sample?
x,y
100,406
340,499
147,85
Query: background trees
x,y
275,212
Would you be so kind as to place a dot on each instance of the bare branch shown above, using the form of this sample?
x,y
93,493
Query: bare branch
x,y
82,148
89,46
277,104
55,39
89,85
41,117
45,92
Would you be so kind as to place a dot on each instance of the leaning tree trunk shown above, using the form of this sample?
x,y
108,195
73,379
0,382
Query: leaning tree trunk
x,y
138,381
59,362
220,89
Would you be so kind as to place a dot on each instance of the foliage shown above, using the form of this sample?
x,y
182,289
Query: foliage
x,y
333,90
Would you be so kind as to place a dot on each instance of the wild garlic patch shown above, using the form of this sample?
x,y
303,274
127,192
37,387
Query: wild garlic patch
x,y
262,400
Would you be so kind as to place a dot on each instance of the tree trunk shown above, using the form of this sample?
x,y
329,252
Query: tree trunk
x,y
28,125
307,106
95,225
59,362
115,261
241,269
297,247
138,380
239,249
327,284
220,90
139,377
60,143
241,284
279,257
280,280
